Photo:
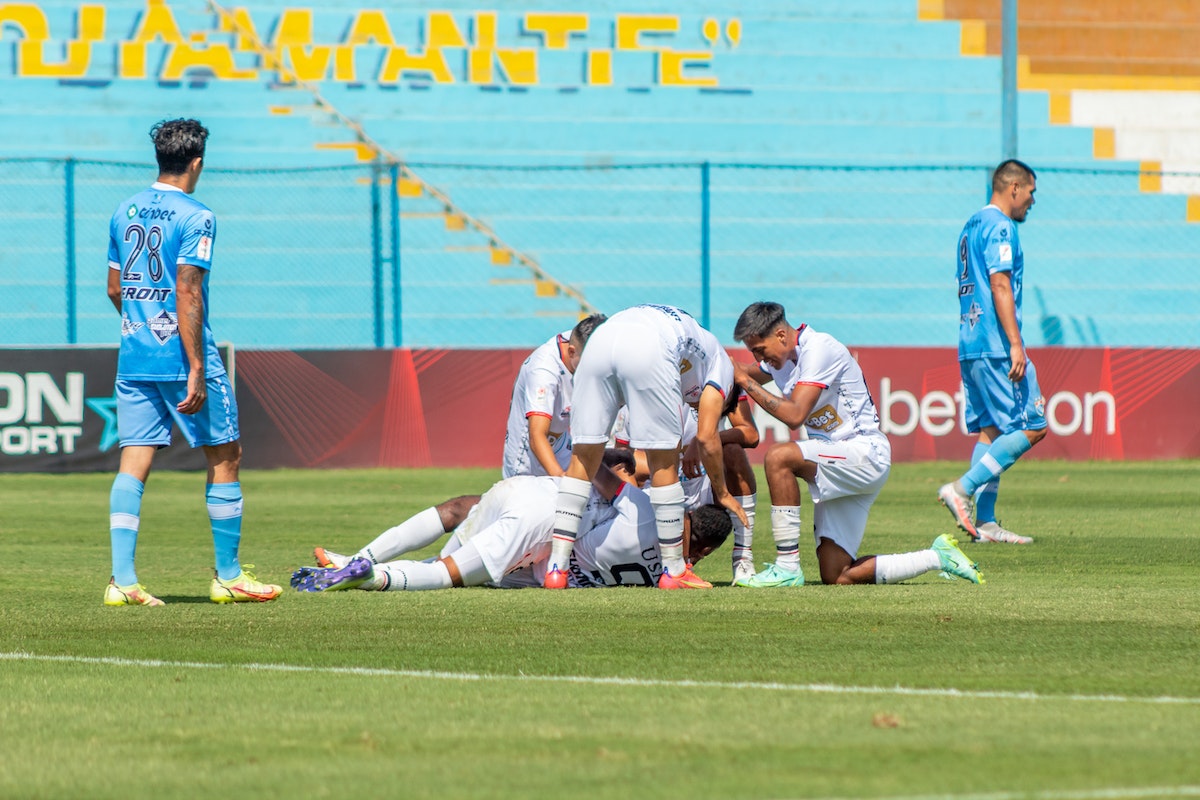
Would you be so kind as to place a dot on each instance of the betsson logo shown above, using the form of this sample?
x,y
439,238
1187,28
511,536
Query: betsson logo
x,y
938,413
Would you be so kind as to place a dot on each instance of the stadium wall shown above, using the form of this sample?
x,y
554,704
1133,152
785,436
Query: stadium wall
x,y
447,408
701,154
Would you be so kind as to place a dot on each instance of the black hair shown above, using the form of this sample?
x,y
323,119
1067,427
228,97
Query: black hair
x,y
758,320
584,329
176,143
711,525
619,457
1010,172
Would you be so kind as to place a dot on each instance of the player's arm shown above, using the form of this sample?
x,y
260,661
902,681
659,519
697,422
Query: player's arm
x,y
708,439
189,310
114,287
539,444
792,410
741,431
1006,315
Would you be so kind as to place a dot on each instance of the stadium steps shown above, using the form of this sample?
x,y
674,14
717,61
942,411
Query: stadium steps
x,y
1128,71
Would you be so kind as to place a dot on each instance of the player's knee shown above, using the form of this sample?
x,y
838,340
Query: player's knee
x,y
1036,436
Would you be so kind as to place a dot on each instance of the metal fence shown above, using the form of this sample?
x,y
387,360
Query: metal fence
x,y
437,255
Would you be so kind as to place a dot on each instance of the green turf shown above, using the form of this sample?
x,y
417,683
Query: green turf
x,y
1072,671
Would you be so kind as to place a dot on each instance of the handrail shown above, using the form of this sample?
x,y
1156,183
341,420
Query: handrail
x,y
272,61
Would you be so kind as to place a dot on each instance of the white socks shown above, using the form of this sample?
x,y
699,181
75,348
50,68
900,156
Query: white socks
x,y
743,535
903,566
413,576
668,503
785,527
419,530
572,499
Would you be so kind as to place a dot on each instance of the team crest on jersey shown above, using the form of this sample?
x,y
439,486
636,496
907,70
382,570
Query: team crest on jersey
x,y
1005,252
825,418
973,315
1039,406
204,248
540,394
132,212
163,325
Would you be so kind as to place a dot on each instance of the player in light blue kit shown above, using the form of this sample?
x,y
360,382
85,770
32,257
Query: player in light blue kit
x,y
159,256
1003,402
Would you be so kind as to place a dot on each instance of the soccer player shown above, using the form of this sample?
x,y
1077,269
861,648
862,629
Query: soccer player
x,y
1003,403
738,436
538,438
504,540
656,359
845,459
160,253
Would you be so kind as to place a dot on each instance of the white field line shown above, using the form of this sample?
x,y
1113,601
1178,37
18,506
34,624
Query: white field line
x,y
810,688
1130,793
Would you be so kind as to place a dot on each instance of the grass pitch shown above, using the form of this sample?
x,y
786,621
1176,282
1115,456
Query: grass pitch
x,y
1071,674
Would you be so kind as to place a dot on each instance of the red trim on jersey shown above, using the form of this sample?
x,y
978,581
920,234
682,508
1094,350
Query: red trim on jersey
x,y
562,344
831,457
538,414
812,383
718,388
622,442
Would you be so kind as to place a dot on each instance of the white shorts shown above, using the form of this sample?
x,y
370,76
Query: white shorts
x,y
627,362
510,527
850,475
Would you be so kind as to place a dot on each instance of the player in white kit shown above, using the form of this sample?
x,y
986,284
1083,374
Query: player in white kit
x,y
537,440
738,434
845,459
503,539
656,359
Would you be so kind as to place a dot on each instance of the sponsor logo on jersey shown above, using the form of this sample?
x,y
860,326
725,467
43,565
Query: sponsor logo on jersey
x,y
132,212
540,394
157,213
204,249
685,366
163,325
129,327
966,290
824,418
1005,252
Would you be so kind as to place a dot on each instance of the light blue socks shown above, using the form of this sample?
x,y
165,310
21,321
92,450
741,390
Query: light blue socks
x,y
124,517
225,513
1001,455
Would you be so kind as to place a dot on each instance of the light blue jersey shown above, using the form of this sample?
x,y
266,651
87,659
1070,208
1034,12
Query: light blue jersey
x,y
149,235
988,244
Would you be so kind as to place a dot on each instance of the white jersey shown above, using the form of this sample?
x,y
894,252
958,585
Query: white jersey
x,y
542,388
512,525
844,408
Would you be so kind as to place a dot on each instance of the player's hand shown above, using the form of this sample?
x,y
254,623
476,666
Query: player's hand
x,y
1016,355
734,506
741,377
197,394
555,578
692,466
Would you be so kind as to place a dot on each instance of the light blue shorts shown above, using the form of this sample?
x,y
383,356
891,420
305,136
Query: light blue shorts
x,y
992,400
145,410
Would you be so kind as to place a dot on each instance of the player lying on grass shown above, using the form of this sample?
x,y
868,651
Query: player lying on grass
x,y
739,435
845,458
503,539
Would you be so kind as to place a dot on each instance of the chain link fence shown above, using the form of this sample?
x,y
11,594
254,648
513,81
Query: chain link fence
x,y
436,255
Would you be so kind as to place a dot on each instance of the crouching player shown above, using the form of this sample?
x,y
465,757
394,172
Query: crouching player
x,y
845,459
